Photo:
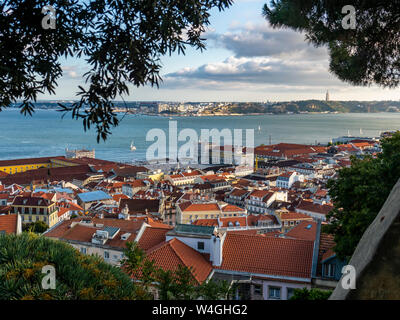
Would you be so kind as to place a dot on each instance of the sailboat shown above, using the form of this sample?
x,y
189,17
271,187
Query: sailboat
x,y
133,148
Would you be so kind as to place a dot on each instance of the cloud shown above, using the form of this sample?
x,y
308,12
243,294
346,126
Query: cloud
x,y
262,40
72,71
256,71
262,57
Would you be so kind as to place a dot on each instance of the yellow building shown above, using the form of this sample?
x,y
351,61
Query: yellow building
x,y
34,209
22,165
188,212
155,176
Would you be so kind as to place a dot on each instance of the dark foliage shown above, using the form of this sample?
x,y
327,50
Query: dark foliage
x,y
121,41
368,54
359,193
77,276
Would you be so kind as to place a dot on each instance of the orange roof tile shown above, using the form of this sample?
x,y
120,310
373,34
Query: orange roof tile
x,y
267,255
314,207
151,237
199,207
304,231
9,223
291,215
232,208
169,255
206,222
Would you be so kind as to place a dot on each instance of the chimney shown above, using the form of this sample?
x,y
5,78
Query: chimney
x,y
217,243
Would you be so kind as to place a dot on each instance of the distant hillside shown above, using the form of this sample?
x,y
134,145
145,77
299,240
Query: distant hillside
x,y
256,107
316,106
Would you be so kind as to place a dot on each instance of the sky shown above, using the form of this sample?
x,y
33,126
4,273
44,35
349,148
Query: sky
x,y
246,60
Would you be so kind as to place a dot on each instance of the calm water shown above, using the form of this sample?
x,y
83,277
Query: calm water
x,y
46,134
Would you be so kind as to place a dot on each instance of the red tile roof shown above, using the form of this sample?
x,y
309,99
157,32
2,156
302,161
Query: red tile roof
x,y
169,255
326,245
232,208
261,193
118,197
9,223
16,162
199,206
62,211
269,256
206,222
151,237
291,215
288,150
314,207
252,219
303,231
84,233
238,192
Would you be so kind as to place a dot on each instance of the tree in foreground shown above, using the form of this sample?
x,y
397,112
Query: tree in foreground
x,y
78,276
121,41
359,193
176,284
364,55
310,294
36,227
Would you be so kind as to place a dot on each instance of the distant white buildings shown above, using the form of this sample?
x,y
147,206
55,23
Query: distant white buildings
x,y
286,180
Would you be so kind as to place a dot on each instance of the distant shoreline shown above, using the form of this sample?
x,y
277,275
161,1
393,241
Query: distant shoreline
x,y
222,114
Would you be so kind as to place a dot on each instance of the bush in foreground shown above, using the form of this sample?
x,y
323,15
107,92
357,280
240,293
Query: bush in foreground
x,y
312,294
77,276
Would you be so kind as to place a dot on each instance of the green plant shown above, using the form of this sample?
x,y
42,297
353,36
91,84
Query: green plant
x,y
77,276
310,294
359,193
364,55
178,284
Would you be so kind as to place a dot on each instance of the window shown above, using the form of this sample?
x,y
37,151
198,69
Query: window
x,y
292,223
106,255
329,270
290,293
274,293
83,250
258,289
200,245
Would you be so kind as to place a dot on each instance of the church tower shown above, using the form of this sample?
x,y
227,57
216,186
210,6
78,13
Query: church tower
x,y
327,95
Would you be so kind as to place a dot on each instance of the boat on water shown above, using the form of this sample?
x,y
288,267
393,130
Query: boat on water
x,y
133,148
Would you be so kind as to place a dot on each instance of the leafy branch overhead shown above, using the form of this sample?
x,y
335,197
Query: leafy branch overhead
x,y
121,41
368,54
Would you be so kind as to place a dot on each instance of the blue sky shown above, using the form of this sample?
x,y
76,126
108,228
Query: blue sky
x,y
245,60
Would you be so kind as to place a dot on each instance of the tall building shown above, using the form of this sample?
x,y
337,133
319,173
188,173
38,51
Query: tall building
x,y
327,95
